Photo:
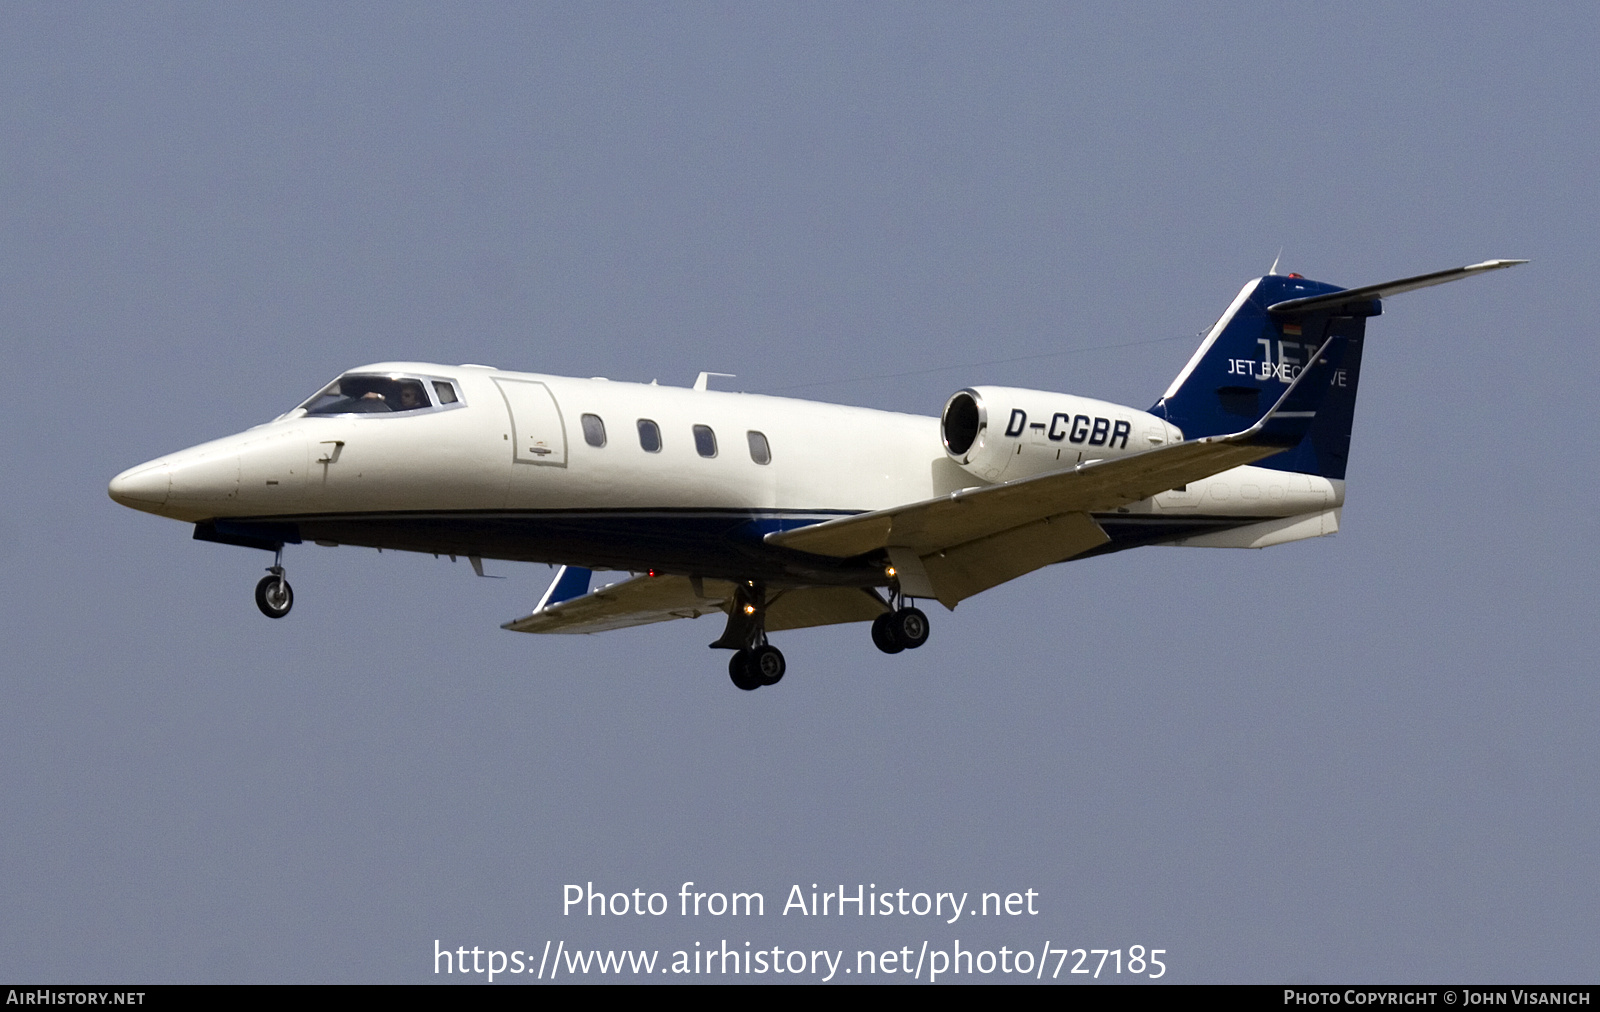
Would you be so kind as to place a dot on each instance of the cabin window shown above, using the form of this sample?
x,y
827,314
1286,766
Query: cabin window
x,y
445,391
649,436
760,452
594,430
705,441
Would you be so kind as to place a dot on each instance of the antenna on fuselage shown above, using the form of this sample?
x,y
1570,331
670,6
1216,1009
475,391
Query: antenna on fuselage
x,y
700,384
1274,268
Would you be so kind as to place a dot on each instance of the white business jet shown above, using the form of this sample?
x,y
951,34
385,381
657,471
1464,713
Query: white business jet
x,y
779,513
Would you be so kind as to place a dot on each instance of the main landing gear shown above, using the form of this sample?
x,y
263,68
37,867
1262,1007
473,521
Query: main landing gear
x,y
753,668
755,662
904,628
274,596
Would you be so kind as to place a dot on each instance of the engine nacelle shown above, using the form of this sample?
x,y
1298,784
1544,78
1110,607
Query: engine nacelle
x,y
1004,433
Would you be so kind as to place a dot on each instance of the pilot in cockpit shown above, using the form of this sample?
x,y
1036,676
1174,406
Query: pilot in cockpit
x,y
365,394
409,397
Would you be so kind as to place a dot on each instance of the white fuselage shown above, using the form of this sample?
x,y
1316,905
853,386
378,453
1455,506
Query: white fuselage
x,y
517,443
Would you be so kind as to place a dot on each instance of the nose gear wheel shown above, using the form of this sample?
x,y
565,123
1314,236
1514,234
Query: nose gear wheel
x,y
274,596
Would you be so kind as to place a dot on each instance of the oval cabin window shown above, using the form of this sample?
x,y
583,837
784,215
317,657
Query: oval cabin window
x,y
705,441
760,452
649,436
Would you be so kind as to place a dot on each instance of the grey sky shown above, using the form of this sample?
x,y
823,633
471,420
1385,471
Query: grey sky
x,y
1367,758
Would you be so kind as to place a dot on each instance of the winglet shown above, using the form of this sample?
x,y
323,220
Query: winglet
x,y
570,582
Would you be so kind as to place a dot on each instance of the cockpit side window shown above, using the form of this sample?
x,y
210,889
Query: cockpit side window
x,y
445,390
359,394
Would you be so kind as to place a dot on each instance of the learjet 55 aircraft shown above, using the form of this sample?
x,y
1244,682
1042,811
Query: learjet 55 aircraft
x,y
780,513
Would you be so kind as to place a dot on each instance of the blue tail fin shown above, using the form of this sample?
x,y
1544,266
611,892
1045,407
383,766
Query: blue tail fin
x,y
1251,355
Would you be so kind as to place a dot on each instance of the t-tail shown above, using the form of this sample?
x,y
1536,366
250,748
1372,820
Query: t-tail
x,y
1265,339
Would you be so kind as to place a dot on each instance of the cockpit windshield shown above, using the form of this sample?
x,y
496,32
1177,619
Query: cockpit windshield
x,y
365,394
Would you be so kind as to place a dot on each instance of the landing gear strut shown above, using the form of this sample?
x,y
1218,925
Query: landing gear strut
x,y
274,596
903,628
755,662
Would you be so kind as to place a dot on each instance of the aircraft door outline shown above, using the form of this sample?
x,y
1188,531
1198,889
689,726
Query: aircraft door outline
x,y
538,432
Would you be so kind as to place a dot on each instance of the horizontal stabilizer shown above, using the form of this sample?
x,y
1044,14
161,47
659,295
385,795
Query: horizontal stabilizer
x,y
1333,300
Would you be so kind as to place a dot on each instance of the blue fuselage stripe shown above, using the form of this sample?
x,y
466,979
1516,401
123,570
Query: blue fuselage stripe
x,y
713,543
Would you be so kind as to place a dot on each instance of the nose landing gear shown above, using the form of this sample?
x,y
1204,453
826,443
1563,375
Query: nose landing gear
x,y
274,596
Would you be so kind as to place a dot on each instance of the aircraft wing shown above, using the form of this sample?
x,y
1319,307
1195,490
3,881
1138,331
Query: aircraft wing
x,y
955,546
979,538
638,600
642,600
970,514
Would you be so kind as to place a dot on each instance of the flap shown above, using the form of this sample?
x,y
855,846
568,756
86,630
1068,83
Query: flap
x,y
813,606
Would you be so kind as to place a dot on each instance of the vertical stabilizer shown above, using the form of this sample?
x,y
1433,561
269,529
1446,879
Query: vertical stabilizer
x,y
1252,354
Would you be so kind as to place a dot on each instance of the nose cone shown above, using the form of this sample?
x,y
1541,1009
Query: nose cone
x,y
192,484
144,487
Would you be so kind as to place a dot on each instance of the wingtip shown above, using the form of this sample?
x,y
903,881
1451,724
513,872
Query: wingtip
x,y
1493,265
